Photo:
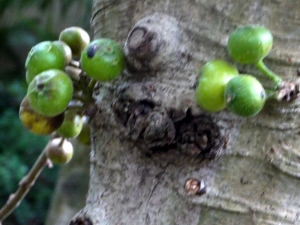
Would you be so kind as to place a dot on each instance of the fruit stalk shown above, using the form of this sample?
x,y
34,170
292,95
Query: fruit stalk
x,y
76,108
61,142
24,186
270,74
270,94
86,97
74,63
92,84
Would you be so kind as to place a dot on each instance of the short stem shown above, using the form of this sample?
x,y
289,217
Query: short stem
x,y
73,72
24,186
273,94
92,85
270,94
270,74
75,108
88,93
80,97
74,63
61,142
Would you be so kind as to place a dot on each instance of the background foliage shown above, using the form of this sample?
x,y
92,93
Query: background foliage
x,y
24,23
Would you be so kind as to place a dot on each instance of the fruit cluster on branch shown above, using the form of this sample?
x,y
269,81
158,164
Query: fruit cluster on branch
x,y
221,85
60,88
61,76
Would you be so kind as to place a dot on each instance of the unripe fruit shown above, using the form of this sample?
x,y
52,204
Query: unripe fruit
x,y
50,92
71,126
76,38
59,151
85,135
44,56
65,49
103,59
36,122
249,44
245,95
210,90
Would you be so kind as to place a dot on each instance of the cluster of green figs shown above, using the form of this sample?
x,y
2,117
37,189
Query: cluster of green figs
x,y
221,86
55,100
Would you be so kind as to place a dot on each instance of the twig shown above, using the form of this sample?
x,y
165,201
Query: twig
x,y
24,186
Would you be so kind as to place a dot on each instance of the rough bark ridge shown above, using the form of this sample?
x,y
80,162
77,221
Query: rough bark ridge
x,y
150,138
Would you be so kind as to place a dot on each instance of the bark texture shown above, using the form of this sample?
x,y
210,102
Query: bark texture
x,y
150,138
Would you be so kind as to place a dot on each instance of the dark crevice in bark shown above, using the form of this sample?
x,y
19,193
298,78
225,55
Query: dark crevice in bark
x,y
159,130
81,221
126,111
198,135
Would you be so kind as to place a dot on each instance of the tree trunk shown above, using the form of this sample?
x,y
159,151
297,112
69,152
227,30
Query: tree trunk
x,y
153,147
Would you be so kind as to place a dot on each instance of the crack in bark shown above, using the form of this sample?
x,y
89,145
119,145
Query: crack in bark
x,y
112,2
159,177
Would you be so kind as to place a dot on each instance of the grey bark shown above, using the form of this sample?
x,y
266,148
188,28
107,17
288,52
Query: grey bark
x,y
144,147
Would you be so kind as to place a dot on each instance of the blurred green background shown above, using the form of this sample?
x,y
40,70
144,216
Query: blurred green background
x,y
24,23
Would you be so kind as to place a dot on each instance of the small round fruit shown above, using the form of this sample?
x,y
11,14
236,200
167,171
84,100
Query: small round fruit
x,y
71,126
76,37
249,44
103,59
50,92
85,135
245,95
59,151
210,91
66,50
44,56
36,122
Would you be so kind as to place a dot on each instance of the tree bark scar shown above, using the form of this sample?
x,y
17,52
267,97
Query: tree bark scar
x,y
198,135
157,129
143,43
81,221
156,43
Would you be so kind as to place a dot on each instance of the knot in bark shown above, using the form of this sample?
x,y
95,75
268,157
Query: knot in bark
x,y
159,129
152,127
145,123
156,43
142,43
